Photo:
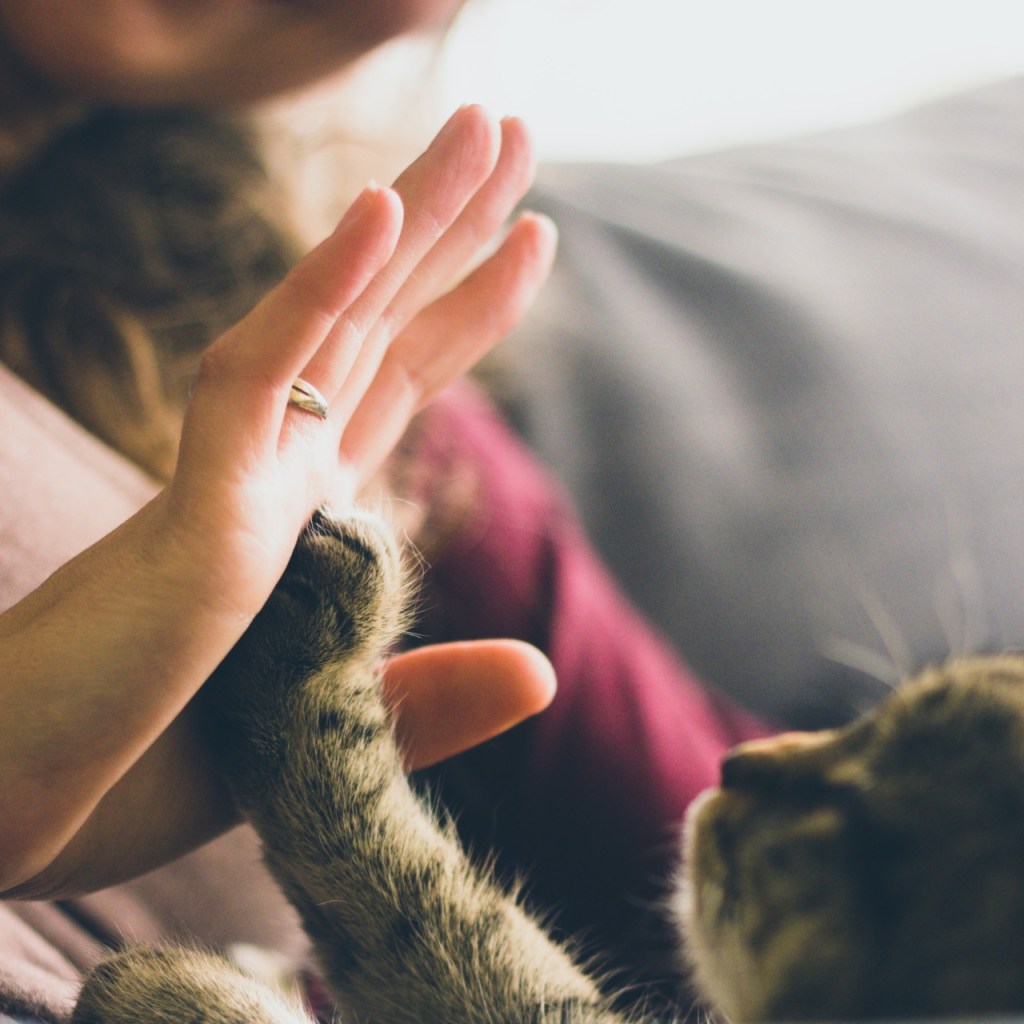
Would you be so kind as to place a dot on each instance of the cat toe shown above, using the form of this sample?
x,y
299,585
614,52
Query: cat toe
x,y
350,566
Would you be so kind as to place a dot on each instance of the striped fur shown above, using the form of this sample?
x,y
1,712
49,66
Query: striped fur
x,y
871,871
404,928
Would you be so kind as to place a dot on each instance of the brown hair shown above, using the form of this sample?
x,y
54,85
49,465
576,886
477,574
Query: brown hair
x,y
129,240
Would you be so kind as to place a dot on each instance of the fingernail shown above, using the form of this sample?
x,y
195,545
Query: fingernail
x,y
541,219
360,208
371,191
450,123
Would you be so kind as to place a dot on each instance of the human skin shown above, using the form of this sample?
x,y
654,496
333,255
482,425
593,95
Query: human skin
x,y
101,662
206,52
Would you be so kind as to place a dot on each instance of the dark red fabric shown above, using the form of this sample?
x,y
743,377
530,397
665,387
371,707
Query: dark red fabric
x,y
586,798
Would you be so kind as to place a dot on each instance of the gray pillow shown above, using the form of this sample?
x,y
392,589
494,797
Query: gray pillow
x,y
785,385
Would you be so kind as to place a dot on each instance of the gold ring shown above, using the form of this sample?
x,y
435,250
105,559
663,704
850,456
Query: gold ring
x,y
306,397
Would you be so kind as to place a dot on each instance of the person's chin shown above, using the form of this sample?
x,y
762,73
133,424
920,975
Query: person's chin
x,y
384,19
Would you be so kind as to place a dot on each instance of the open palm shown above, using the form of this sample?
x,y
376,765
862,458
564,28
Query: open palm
x,y
102,661
368,319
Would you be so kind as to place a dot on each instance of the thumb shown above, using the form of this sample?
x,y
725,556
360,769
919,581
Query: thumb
x,y
449,697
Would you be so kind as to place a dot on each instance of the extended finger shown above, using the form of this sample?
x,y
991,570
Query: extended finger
x,y
446,339
434,190
450,697
287,327
478,224
475,227
242,386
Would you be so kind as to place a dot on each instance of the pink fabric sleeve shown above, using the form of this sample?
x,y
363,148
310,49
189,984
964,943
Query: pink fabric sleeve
x,y
587,798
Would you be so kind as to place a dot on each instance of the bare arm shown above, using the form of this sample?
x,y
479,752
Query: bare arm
x,y
103,658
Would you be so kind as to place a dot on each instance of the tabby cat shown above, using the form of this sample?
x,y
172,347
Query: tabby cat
x,y
873,870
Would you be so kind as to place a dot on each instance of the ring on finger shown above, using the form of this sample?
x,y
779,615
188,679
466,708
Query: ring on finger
x,y
306,397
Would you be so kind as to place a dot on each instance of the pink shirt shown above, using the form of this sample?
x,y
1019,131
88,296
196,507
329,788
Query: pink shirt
x,y
586,799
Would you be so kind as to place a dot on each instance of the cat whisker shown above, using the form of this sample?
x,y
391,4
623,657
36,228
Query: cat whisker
x,y
863,659
893,639
896,661
953,613
959,600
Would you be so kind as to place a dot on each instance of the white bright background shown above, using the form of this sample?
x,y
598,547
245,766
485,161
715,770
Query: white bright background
x,y
643,79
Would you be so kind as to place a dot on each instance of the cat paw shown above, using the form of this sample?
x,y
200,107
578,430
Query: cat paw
x,y
346,574
168,986
336,609
340,599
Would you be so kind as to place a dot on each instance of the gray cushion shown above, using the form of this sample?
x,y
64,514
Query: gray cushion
x,y
785,384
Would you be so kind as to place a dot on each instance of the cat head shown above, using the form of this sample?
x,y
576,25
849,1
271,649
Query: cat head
x,y
874,870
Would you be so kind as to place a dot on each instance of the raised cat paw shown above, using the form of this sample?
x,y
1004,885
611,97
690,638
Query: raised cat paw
x,y
344,582
308,659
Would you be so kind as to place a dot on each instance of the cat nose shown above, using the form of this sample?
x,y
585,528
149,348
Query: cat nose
x,y
757,761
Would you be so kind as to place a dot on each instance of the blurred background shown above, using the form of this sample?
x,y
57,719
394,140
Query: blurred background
x,y
644,79
641,80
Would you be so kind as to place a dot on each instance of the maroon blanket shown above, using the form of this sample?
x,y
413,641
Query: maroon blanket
x,y
585,800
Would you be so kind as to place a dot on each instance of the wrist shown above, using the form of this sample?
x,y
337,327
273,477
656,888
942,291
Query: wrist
x,y
98,662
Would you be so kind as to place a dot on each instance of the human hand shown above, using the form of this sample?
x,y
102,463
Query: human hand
x,y
366,319
101,660
450,697
445,699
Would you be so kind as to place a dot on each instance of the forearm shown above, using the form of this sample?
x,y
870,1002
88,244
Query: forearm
x,y
170,802
97,663
172,799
